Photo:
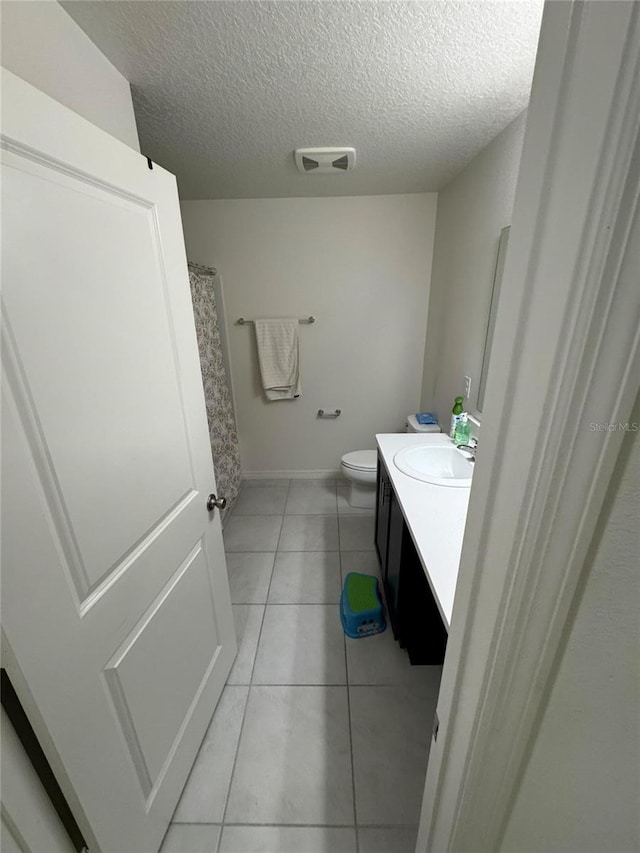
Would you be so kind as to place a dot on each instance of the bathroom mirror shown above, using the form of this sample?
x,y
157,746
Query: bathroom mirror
x,y
493,310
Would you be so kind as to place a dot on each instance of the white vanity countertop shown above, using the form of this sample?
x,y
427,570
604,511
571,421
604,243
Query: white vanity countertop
x,y
435,516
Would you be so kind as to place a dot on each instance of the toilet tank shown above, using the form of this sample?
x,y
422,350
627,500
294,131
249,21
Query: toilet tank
x,y
414,426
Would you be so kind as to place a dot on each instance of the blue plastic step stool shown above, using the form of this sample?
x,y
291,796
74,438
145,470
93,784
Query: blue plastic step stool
x,y
360,606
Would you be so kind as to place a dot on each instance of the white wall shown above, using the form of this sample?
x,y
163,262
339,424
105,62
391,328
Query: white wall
x,y
581,787
361,265
44,46
472,210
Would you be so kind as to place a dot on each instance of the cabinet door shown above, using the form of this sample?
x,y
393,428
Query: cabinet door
x,y
382,515
422,631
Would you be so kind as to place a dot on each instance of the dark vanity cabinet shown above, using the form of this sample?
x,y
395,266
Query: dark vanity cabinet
x,y
413,612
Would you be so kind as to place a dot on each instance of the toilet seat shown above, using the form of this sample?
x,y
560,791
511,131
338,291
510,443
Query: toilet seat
x,y
361,460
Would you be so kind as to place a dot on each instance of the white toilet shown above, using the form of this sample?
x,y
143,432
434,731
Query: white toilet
x,y
359,467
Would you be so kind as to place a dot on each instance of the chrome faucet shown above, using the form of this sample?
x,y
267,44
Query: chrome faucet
x,y
471,448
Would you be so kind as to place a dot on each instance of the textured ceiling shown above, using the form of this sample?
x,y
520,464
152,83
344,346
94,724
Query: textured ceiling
x,y
224,91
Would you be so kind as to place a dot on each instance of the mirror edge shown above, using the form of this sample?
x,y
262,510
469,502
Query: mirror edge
x,y
491,322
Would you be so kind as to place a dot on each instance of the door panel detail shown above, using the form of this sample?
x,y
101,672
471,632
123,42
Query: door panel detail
x,y
150,716
91,426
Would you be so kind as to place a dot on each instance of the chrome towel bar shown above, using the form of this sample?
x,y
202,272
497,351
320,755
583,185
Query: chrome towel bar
x,y
241,320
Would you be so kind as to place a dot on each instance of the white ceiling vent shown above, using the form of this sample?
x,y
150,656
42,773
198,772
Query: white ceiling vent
x,y
322,161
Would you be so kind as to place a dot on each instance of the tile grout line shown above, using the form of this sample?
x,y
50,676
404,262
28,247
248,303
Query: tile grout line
x,y
284,514
304,514
292,603
305,825
223,822
353,769
251,685
388,686
244,715
349,717
235,756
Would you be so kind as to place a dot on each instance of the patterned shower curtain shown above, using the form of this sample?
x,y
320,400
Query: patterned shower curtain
x,y
222,424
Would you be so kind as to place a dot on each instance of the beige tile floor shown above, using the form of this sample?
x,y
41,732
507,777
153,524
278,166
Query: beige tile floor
x,y
319,743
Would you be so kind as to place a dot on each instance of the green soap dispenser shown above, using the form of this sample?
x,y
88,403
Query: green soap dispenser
x,y
456,414
463,428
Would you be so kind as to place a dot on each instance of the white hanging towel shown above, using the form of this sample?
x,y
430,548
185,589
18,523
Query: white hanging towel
x,y
279,357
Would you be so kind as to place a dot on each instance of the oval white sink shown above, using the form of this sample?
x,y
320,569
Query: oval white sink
x,y
435,463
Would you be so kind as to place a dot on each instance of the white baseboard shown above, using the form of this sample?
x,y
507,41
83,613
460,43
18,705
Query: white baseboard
x,y
315,474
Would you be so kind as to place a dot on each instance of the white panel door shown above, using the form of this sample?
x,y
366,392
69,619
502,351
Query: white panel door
x,y
115,594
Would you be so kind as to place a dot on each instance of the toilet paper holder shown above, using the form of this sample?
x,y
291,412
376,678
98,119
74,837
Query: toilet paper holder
x,y
323,414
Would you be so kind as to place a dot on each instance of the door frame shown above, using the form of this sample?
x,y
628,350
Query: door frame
x,y
566,355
